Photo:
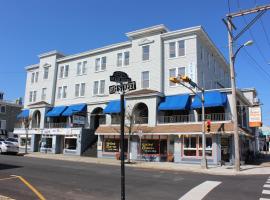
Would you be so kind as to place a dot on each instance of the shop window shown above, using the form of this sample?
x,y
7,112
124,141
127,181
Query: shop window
x,y
208,146
190,145
111,145
23,141
71,143
46,143
150,147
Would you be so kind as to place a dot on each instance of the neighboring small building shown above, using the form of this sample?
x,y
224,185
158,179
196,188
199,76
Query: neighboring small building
x,y
8,115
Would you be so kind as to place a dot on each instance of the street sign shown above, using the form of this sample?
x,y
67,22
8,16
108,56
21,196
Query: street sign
x,y
120,77
123,87
255,116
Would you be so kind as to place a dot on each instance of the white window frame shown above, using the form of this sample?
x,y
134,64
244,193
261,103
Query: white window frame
x,y
176,74
79,69
43,94
34,96
143,53
64,92
36,77
45,72
66,71
59,92
84,67
126,60
80,92
178,48
103,64
98,89
61,72
30,96
172,50
82,89
119,59
143,81
97,64
77,92
32,77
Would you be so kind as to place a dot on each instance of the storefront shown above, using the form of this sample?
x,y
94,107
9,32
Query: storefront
x,y
22,142
46,143
70,144
111,146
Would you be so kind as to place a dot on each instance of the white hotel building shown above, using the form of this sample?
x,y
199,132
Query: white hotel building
x,y
71,111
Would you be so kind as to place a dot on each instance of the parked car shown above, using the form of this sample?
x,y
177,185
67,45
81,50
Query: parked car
x,y
12,140
8,147
1,139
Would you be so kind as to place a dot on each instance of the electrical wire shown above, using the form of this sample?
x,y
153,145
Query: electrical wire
x,y
265,32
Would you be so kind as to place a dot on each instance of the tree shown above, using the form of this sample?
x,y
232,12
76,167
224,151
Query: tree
x,y
26,123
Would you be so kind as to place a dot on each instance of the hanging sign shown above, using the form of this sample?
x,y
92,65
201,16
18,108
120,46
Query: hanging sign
x,y
255,117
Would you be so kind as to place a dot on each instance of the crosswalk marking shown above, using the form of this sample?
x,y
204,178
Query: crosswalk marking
x,y
266,191
266,185
200,191
264,199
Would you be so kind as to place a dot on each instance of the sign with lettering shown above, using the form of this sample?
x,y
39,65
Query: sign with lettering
x,y
150,146
77,119
124,87
120,77
111,145
255,117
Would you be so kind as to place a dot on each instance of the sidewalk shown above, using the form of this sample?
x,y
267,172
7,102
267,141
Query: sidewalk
x,y
261,168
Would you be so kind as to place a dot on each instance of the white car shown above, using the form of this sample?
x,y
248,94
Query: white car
x,y
8,147
13,141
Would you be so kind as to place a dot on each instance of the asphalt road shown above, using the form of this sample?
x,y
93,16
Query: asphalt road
x,y
56,179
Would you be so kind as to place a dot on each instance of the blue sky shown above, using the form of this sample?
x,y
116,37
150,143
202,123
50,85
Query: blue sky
x,y
28,28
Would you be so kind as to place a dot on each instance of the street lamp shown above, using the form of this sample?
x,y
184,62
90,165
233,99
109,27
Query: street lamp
x,y
234,110
186,79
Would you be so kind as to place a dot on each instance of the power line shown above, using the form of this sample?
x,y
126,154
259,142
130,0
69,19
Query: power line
x,y
265,33
229,7
258,65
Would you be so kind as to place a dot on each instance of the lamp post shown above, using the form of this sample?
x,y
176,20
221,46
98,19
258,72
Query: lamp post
x,y
186,79
233,86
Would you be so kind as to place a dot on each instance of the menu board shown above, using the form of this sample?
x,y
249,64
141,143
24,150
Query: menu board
x,y
111,145
150,146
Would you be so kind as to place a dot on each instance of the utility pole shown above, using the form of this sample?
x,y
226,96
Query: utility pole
x,y
231,39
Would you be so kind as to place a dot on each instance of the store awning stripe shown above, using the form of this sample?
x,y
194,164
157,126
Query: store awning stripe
x,y
56,111
212,99
175,102
73,109
113,107
23,114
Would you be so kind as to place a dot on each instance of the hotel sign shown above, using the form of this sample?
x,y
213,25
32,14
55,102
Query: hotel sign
x,y
255,117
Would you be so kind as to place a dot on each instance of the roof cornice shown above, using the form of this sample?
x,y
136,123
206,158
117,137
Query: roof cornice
x,y
161,28
29,67
95,51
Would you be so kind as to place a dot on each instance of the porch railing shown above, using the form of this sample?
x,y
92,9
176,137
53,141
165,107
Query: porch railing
x,y
192,118
57,125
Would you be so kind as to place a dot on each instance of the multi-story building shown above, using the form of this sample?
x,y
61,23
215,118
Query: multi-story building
x,y
70,109
8,115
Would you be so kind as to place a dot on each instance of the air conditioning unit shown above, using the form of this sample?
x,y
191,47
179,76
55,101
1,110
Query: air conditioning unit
x,y
256,100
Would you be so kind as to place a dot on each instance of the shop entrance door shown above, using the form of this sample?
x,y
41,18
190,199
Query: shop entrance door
x,y
225,149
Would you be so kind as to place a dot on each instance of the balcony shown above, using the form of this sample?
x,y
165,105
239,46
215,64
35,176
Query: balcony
x,y
57,125
191,118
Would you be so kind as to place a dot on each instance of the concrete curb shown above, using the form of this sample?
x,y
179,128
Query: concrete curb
x,y
213,170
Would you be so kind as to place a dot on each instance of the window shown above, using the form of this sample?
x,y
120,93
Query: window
x,y
102,87
46,73
172,73
181,48
66,70
82,91
103,63
77,88
145,79
3,124
61,73
97,68
176,72
84,69
126,58
208,146
36,78
33,78
59,93
3,109
95,88
79,68
145,52
172,49
64,95
30,96
43,94
190,145
34,96
99,87
119,59
181,71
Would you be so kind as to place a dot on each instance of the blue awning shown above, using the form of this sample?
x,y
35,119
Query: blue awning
x,y
23,114
212,99
113,107
175,102
56,111
73,109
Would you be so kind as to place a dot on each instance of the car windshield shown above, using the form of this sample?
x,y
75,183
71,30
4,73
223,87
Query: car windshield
x,y
8,143
12,140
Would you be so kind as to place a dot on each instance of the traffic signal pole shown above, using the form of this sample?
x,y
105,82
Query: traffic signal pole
x,y
204,160
122,146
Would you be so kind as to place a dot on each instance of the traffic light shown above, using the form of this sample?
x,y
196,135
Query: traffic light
x,y
208,126
185,79
174,80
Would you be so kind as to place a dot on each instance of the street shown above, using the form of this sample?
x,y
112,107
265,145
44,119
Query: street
x,y
56,179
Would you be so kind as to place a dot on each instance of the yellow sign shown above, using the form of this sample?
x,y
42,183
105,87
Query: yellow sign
x,y
255,117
